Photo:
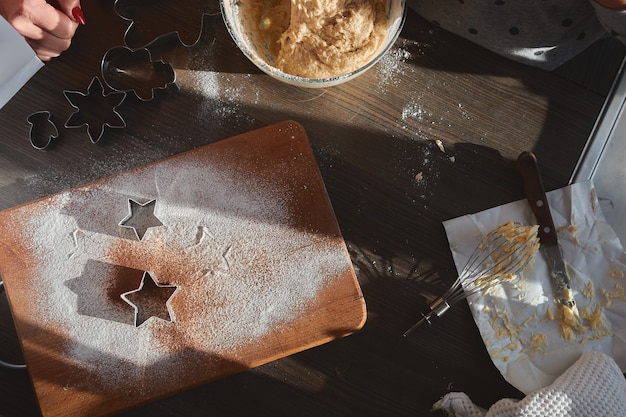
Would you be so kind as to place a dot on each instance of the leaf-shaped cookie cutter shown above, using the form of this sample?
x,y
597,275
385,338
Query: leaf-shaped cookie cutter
x,y
122,63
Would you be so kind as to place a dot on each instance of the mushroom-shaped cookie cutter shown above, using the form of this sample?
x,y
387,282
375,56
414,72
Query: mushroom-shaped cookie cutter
x,y
42,129
125,69
8,364
95,109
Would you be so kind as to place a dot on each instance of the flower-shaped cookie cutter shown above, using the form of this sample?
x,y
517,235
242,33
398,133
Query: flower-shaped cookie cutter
x,y
42,129
125,69
95,109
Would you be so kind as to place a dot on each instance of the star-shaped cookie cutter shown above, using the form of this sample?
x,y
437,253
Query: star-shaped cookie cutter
x,y
149,299
141,217
95,108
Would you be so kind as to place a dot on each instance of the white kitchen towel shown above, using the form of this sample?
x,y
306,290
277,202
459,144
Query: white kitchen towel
x,y
593,386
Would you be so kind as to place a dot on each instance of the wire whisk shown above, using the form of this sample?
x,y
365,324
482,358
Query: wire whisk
x,y
498,258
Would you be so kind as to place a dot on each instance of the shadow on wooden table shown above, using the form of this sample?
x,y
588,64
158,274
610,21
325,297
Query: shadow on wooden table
x,y
390,182
572,94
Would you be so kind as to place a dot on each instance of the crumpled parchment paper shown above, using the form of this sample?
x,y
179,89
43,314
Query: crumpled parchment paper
x,y
521,323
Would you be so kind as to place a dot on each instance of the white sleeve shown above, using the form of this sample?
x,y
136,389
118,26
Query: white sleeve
x,y
614,21
19,63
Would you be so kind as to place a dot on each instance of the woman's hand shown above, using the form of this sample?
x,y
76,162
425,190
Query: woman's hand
x,y
47,29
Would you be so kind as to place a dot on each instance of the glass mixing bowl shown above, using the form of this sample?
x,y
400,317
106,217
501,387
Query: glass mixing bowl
x,y
243,28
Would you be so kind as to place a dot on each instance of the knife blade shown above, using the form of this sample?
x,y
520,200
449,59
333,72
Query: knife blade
x,y
549,246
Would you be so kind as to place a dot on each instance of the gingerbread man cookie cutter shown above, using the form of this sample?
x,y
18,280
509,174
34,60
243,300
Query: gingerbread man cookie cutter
x,y
133,70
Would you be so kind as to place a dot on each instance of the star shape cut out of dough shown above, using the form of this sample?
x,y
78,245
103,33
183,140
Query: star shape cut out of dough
x,y
141,217
95,109
150,300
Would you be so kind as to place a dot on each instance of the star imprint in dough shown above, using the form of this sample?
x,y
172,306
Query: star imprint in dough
x,y
141,217
150,300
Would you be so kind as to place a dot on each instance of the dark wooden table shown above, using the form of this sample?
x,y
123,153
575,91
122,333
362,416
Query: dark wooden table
x,y
371,137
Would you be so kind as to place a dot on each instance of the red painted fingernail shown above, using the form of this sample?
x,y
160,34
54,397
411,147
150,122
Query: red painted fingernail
x,y
77,12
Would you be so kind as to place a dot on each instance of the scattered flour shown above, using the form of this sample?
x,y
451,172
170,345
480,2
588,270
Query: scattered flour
x,y
414,110
390,66
242,269
223,95
464,112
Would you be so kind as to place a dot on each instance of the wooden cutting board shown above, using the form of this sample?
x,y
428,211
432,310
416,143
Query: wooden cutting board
x,y
177,273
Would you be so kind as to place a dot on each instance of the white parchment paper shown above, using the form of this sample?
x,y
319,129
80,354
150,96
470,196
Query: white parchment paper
x,y
520,324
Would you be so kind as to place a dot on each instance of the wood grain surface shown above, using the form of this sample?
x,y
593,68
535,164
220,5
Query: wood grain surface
x,y
436,107
214,326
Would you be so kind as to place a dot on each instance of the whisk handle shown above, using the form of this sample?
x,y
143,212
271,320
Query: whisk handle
x,y
528,168
436,309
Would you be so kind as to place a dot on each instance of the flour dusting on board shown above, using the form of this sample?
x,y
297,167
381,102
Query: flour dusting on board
x,y
228,242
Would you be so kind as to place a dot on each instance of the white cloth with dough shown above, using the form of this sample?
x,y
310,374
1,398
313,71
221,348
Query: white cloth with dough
x,y
593,386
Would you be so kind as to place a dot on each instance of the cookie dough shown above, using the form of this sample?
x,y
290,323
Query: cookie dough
x,y
322,38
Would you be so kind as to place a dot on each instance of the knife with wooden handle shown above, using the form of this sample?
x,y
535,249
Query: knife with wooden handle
x,y
549,245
